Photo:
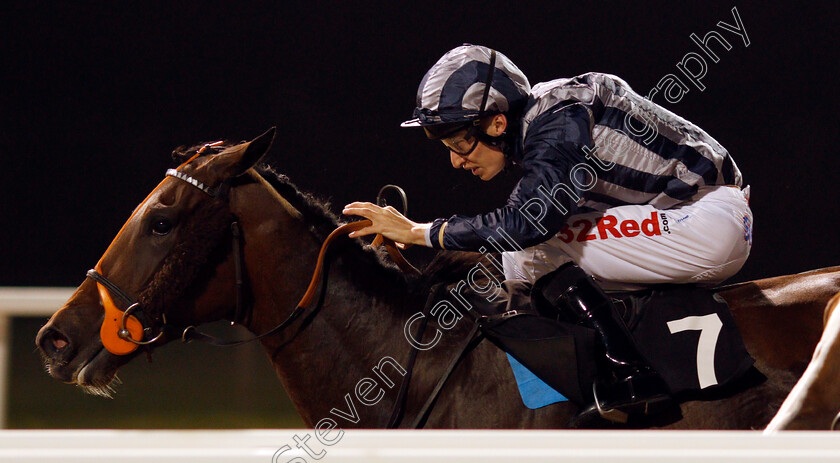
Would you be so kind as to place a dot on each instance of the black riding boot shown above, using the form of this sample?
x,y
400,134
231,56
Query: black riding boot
x,y
627,385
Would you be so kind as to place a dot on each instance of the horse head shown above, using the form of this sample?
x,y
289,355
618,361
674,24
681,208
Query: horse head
x,y
169,266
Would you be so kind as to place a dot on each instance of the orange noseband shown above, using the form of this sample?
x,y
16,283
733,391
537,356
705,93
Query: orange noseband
x,y
112,326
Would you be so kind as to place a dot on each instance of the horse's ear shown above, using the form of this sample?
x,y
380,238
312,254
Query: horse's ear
x,y
240,158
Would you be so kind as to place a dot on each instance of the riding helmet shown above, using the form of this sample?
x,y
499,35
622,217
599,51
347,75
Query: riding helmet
x,y
454,91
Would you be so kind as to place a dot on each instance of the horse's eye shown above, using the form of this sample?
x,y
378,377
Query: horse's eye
x,y
161,227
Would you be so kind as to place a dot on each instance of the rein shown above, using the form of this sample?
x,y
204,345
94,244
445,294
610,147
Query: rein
x,y
191,333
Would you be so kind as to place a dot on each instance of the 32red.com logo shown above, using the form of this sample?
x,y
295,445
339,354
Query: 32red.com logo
x,y
609,226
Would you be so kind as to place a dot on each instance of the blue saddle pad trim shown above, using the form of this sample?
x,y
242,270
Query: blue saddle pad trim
x,y
534,391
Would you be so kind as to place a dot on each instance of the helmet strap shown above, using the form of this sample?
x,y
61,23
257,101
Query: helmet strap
x,y
497,141
485,138
487,85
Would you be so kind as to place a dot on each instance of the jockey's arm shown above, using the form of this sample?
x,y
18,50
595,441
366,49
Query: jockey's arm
x,y
552,148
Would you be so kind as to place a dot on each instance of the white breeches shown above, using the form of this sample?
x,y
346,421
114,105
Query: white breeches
x,y
627,247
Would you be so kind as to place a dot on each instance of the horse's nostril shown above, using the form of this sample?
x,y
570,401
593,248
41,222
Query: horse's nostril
x,y
59,342
52,342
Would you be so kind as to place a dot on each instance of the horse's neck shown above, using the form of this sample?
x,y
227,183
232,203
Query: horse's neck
x,y
325,354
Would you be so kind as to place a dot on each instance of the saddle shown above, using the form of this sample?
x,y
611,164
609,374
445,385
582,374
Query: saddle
x,y
685,332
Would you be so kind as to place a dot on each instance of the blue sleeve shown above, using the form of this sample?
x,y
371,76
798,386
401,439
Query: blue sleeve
x,y
545,195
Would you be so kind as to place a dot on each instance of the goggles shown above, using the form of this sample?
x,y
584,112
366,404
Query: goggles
x,y
462,143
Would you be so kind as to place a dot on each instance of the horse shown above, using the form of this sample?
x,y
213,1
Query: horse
x,y
814,403
343,361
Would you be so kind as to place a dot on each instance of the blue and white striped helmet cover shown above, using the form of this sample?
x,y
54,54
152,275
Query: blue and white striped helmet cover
x,y
452,90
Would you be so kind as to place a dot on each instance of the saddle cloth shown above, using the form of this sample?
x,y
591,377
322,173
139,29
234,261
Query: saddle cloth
x,y
686,333
535,392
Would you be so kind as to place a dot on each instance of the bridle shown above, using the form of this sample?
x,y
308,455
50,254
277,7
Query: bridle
x,y
122,333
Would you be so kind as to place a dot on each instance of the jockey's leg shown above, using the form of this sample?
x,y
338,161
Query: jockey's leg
x,y
627,385
633,246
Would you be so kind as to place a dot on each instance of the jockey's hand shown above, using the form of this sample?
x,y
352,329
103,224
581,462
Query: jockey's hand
x,y
388,222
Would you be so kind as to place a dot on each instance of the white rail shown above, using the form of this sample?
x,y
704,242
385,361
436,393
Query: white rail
x,y
23,302
282,446
417,446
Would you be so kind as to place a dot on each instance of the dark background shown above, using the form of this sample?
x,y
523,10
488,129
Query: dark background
x,y
94,97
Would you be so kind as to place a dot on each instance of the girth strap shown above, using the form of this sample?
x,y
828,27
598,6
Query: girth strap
x,y
399,404
471,341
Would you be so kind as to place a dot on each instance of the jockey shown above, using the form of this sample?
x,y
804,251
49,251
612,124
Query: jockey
x,y
617,192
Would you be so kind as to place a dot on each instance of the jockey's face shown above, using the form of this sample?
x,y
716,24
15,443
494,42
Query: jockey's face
x,y
483,160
